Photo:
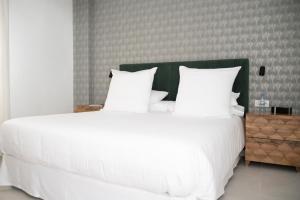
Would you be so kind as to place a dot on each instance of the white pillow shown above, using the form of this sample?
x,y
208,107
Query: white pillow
x,y
205,92
238,110
234,97
130,91
162,106
157,96
169,107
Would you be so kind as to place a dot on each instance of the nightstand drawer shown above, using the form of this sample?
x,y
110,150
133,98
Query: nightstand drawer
x,y
273,127
273,151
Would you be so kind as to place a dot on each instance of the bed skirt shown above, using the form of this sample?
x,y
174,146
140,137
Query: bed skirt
x,y
54,184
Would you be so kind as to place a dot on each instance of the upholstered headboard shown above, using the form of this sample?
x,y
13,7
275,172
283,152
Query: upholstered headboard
x,y
167,75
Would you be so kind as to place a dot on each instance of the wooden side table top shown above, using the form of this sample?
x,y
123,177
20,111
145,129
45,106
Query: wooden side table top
x,y
270,115
87,108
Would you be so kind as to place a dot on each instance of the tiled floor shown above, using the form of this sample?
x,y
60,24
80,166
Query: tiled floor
x,y
256,182
263,182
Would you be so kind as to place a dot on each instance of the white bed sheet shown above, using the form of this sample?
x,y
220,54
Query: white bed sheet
x,y
158,153
54,184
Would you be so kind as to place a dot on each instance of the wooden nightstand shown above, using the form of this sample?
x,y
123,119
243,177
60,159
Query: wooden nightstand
x,y
87,108
273,139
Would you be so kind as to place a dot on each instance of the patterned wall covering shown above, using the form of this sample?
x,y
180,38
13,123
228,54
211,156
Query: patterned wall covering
x,y
136,31
81,51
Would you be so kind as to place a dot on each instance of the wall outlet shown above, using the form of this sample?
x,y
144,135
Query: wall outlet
x,y
266,105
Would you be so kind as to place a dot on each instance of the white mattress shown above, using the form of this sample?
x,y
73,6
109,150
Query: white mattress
x,y
158,153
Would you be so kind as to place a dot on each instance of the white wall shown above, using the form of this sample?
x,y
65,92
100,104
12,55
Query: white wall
x,y
41,57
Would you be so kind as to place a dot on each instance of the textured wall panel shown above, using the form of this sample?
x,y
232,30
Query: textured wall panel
x,y
81,51
135,31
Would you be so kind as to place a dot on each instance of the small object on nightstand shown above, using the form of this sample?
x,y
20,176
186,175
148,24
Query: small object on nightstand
x,y
263,102
273,139
281,110
87,108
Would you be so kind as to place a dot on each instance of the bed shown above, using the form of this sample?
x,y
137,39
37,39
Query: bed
x,y
128,156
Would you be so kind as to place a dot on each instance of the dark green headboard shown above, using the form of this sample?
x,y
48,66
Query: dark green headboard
x,y
167,75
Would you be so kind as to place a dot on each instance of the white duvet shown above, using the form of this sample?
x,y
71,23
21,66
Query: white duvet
x,y
160,153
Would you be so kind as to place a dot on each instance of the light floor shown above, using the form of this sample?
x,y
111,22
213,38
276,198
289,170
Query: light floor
x,y
258,181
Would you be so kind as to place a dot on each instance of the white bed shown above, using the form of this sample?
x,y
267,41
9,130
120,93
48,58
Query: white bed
x,y
120,155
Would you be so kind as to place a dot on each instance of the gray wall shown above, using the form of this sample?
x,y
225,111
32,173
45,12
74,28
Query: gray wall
x,y
81,51
112,32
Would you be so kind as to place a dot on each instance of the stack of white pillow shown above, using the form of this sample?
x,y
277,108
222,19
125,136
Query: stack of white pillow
x,y
169,106
201,93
